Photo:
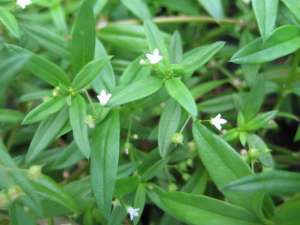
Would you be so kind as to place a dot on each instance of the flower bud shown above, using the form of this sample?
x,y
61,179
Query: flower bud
x,y
3,200
253,153
90,121
177,138
14,192
56,91
34,172
192,146
172,187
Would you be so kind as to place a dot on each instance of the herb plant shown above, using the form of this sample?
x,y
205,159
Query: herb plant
x,y
149,112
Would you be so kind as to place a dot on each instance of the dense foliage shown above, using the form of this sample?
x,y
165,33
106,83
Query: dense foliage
x,y
147,112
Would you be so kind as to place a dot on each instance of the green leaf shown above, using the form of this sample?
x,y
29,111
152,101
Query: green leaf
x,y
10,67
297,135
129,38
260,121
138,8
168,125
46,133
20,216
182,95
133,72
224,165
206,87
83,36
47,188
266,13
10,116
134,91
175,48
197,57
294,7
155,39
77,112
125,186
253,101
10,22
139,202
104,161
42,68
106,78
45,109
19,178
214,8
88,73
197,182
202,210
272,182
265,156
283,41
47,39
288,212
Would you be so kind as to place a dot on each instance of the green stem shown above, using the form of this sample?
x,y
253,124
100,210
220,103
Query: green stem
x,y
90,101
179,19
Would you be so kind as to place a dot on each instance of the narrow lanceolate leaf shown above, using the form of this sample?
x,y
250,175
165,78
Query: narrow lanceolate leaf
x,y
202,210
10,22
213,7
49,189
155,38
20,216
106,78
88,73
10,116
283,41
134,91
168,125
182,95
83,37
139,201
104,161
294,7
133,72
10,66
266,13
77,112
175,48
224,165
273,182
46,133
19,178
138,8
45,109
41,67
197,57
288,212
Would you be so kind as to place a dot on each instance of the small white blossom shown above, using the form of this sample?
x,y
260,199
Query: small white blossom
x,y
126,151
23,3
133,212
247,1
154,57
218,121
104,97
142,62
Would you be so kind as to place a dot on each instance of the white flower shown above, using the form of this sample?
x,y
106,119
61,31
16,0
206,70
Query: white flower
x,y
218,121
104,97
23,3
246,1
132,212
154,57
126,151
